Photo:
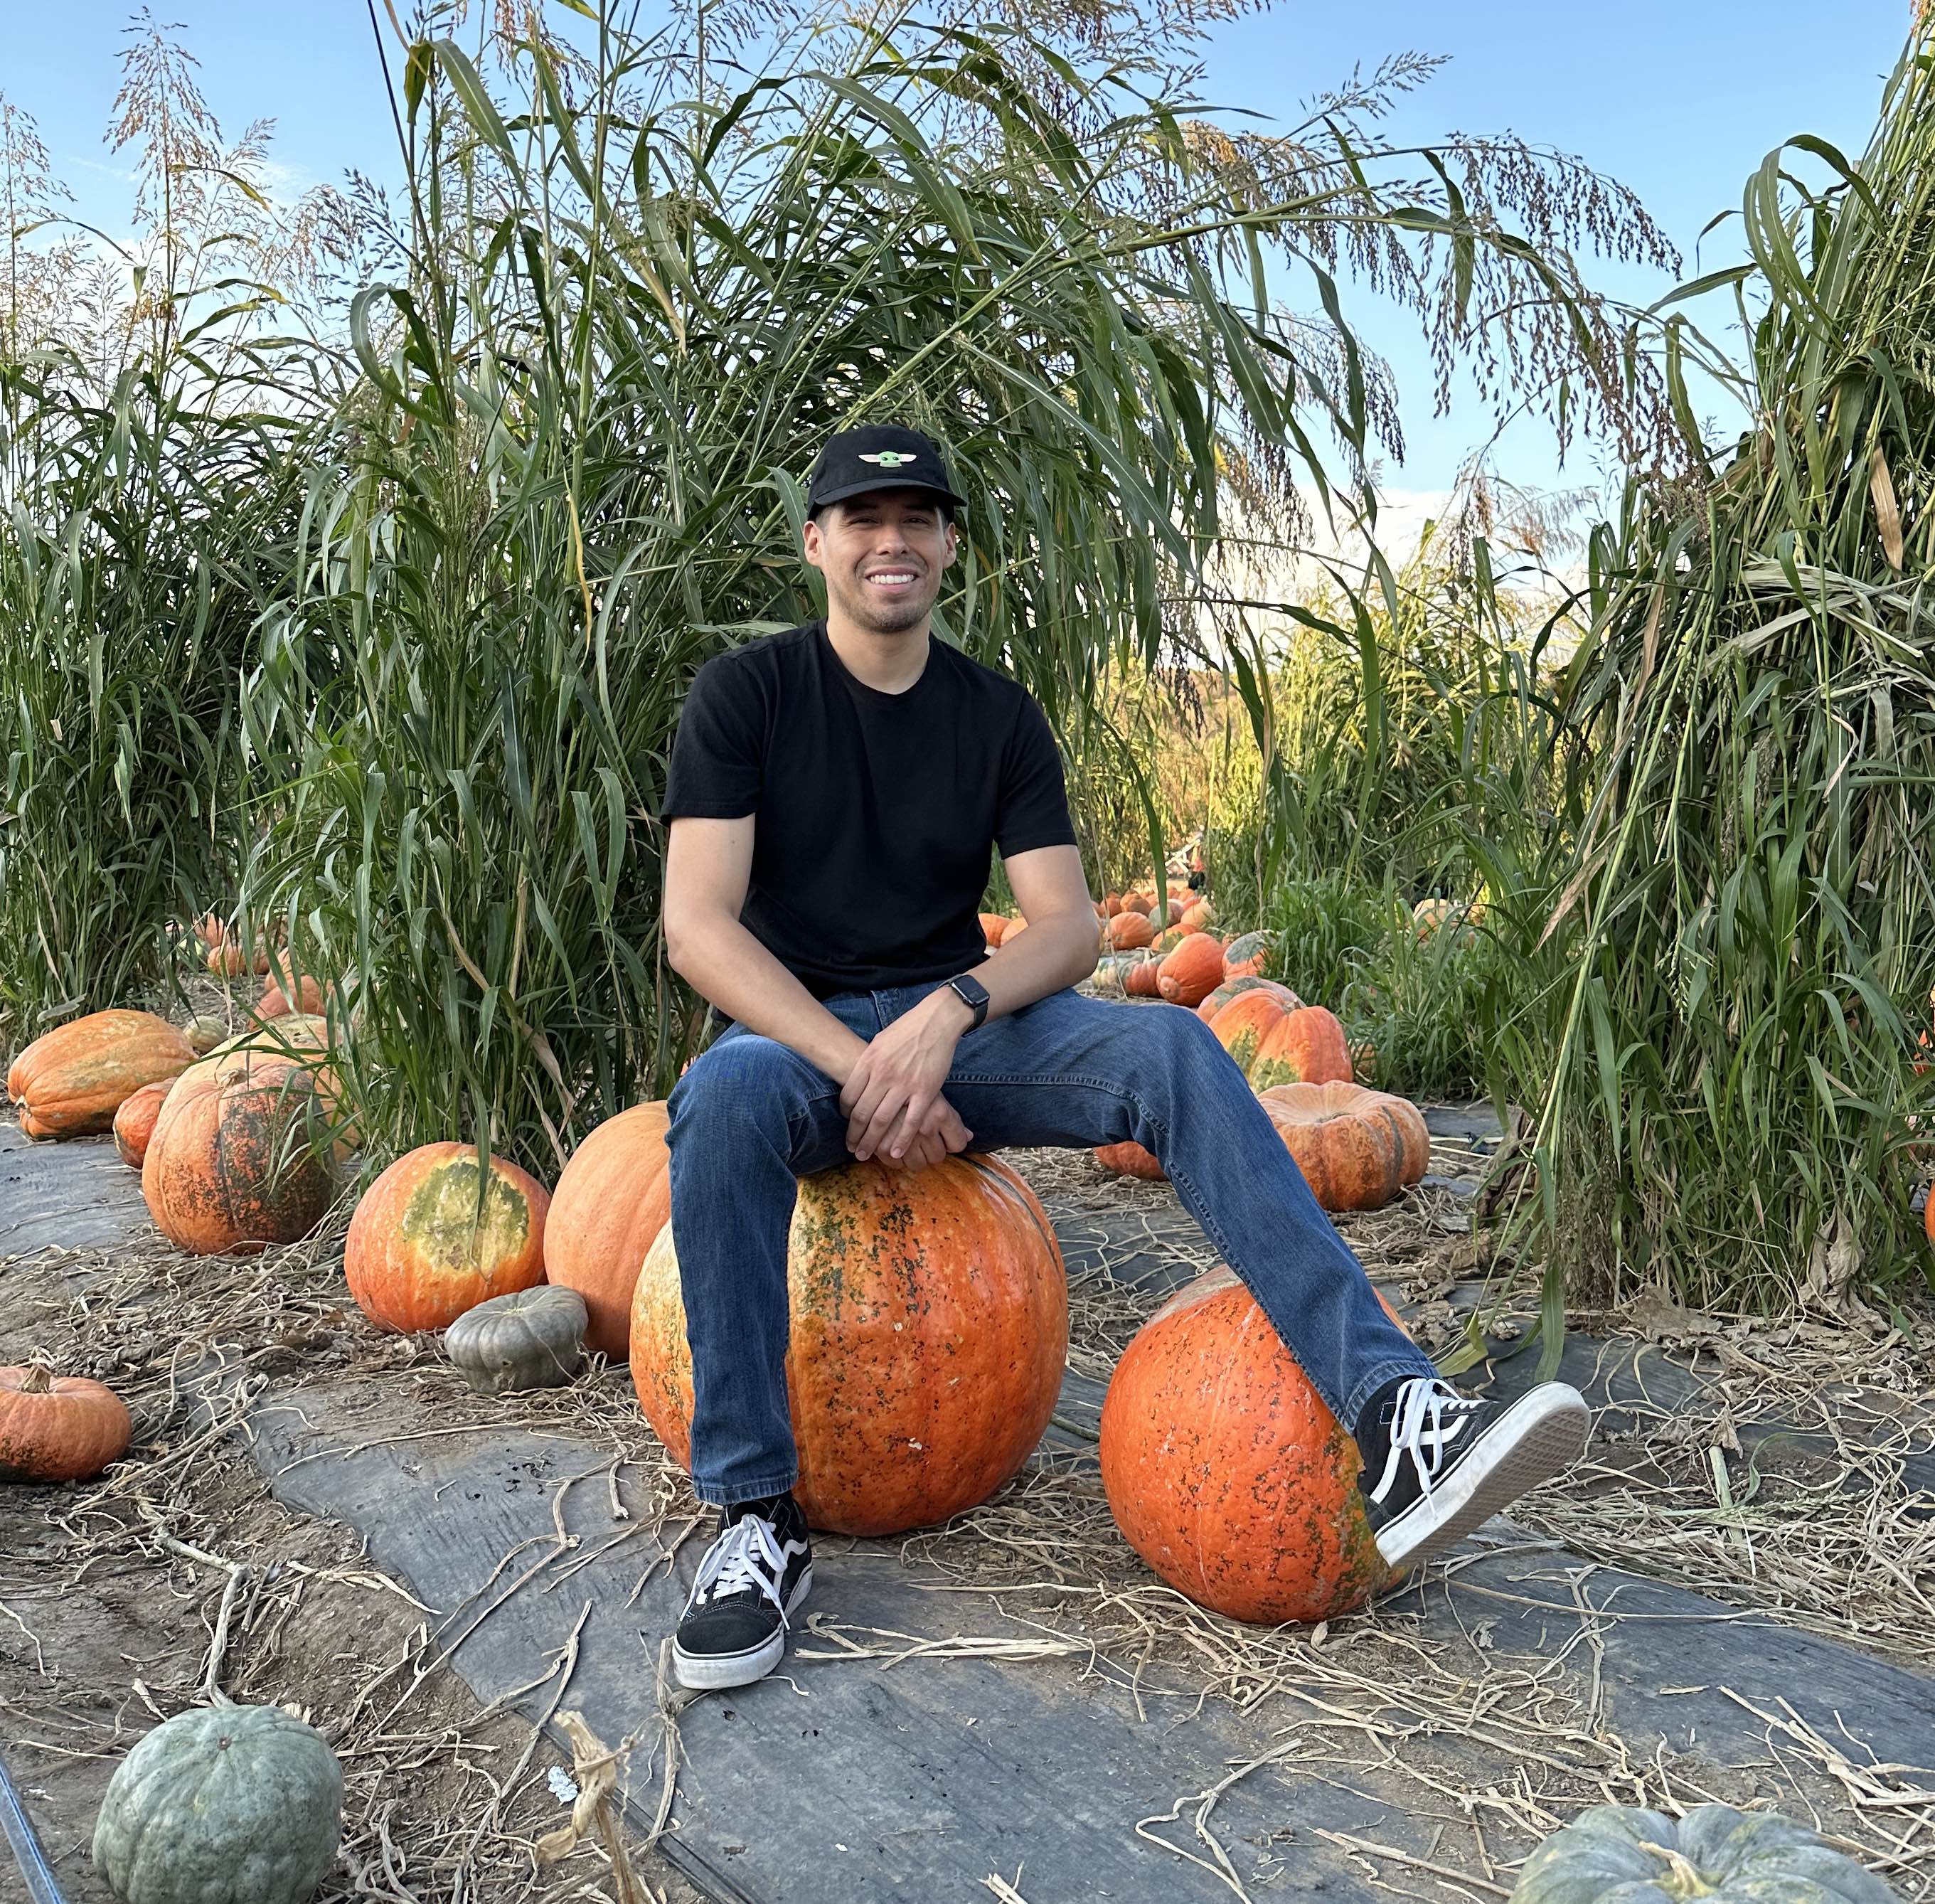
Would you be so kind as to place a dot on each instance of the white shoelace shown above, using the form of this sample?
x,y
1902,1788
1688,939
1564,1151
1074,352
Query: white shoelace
x,y
1429,1417
746,1555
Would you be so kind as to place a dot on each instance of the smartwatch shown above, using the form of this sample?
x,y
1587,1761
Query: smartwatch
x,y
973,995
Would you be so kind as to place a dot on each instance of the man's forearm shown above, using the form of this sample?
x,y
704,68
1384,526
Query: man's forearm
x,y
1055,952
722,961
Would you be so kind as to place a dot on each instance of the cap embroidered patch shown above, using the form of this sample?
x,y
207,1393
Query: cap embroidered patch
x,y
890,459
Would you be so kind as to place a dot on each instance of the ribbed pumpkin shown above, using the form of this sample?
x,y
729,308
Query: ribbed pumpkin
x,y
204,1034
929,1327
1715,1854
1112,904
1226,1471
276,1001
432,1237
1357,1148
58,1428
72,1082
134,1122
1141,979
1304,1047
1129,929
1233,988
1137,902
1130,1160
1192,971
233,1163
1199,918
222,1804
613,1198
1245,955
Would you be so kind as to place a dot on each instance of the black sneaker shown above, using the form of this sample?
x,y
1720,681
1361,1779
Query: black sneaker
x,y
1437,1464
753,1578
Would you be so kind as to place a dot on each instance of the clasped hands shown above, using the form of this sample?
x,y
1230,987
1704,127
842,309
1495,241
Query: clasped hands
x,y
894,1111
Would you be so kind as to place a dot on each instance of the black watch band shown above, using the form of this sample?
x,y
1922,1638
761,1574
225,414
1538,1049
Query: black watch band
x,y
973,995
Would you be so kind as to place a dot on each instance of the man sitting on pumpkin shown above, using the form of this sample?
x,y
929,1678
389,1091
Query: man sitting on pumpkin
x,y
835,793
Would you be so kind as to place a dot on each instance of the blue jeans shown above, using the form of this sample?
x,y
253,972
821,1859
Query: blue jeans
x,y
751,1116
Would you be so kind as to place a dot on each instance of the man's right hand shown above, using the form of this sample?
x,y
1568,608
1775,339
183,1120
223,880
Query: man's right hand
x,y
941,1134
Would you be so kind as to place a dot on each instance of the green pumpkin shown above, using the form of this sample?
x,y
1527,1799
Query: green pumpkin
x,y
530,1339
1619,1854
222,1804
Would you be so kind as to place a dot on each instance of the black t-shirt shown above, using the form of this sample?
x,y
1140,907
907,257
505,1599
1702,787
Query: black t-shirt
x,y
876,812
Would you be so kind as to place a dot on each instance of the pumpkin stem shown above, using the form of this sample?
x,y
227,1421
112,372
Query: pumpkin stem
x,y
1686,1879
38,1379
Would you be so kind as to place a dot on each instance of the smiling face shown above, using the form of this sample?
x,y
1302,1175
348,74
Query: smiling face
x,y
883,555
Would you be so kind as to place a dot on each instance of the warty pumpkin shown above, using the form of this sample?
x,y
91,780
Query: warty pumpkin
x,y
72,1082
1129,929
1714,1853
929,1327
134,1122
613,1197
237,1159
1192,971
435,1235
1226,1471
222,1804
58,1428
1357,1148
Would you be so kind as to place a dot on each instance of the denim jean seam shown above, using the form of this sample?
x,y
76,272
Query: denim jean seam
x,y
759,1490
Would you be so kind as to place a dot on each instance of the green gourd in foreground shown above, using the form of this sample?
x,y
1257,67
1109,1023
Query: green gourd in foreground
x,y
222,1804
1620,1854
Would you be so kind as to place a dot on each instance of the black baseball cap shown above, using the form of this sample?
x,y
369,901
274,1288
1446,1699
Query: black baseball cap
x,y
877,456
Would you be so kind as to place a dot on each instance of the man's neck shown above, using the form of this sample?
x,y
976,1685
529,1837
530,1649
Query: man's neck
x,y
890,664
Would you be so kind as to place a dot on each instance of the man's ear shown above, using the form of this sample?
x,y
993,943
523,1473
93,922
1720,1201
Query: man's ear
x,y
953,543
813,542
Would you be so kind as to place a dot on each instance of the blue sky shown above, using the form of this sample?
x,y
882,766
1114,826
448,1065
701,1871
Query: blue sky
x,y
1679,101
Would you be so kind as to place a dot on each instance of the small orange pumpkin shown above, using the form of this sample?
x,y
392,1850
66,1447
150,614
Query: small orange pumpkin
x,y
431,1238
134,1122
1357,1148
1130,929
58,1428
993,925
929,1327
1246,955
1131,1159
1140,902
1192,971
72,1082
1112,904
1141,978
1200,917
1225,1470
613,1198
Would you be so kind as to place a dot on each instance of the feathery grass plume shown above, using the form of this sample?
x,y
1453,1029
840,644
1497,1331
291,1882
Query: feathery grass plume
x,y
1737,955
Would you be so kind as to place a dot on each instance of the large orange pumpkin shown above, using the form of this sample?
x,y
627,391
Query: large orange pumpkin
x,y
1226,1471
71,1083
612,1200
236,1160
1130,1160
1357,1148
58,1428
134,1122
1129,929
929,1327
1232,988
1304,1047
1192,971
432,1238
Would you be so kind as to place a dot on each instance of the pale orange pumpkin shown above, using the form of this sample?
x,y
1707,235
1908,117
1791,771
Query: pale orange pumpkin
x,y
434,1237
929,1327
1200,917
1130,929
1357,1148
1225,1470
58,1428
1192,971
237,1159
612,1201
993,925
134,1122
72,1082
1233,988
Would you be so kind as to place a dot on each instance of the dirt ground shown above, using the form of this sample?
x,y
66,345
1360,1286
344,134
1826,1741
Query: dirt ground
x,y
124,1601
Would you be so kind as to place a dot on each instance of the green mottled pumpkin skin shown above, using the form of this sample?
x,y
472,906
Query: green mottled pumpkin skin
x,y
1620,1854
222,1804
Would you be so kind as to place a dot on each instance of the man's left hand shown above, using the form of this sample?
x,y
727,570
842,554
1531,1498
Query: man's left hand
x,y
899,1075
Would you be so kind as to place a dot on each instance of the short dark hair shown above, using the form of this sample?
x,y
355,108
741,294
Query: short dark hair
x,y
943,506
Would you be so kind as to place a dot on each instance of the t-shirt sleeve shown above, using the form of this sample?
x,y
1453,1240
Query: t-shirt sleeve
x,y
718,757
1034,802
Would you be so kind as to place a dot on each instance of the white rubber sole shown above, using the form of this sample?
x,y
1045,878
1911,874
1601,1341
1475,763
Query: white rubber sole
x,y
1540,1435
718,1672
